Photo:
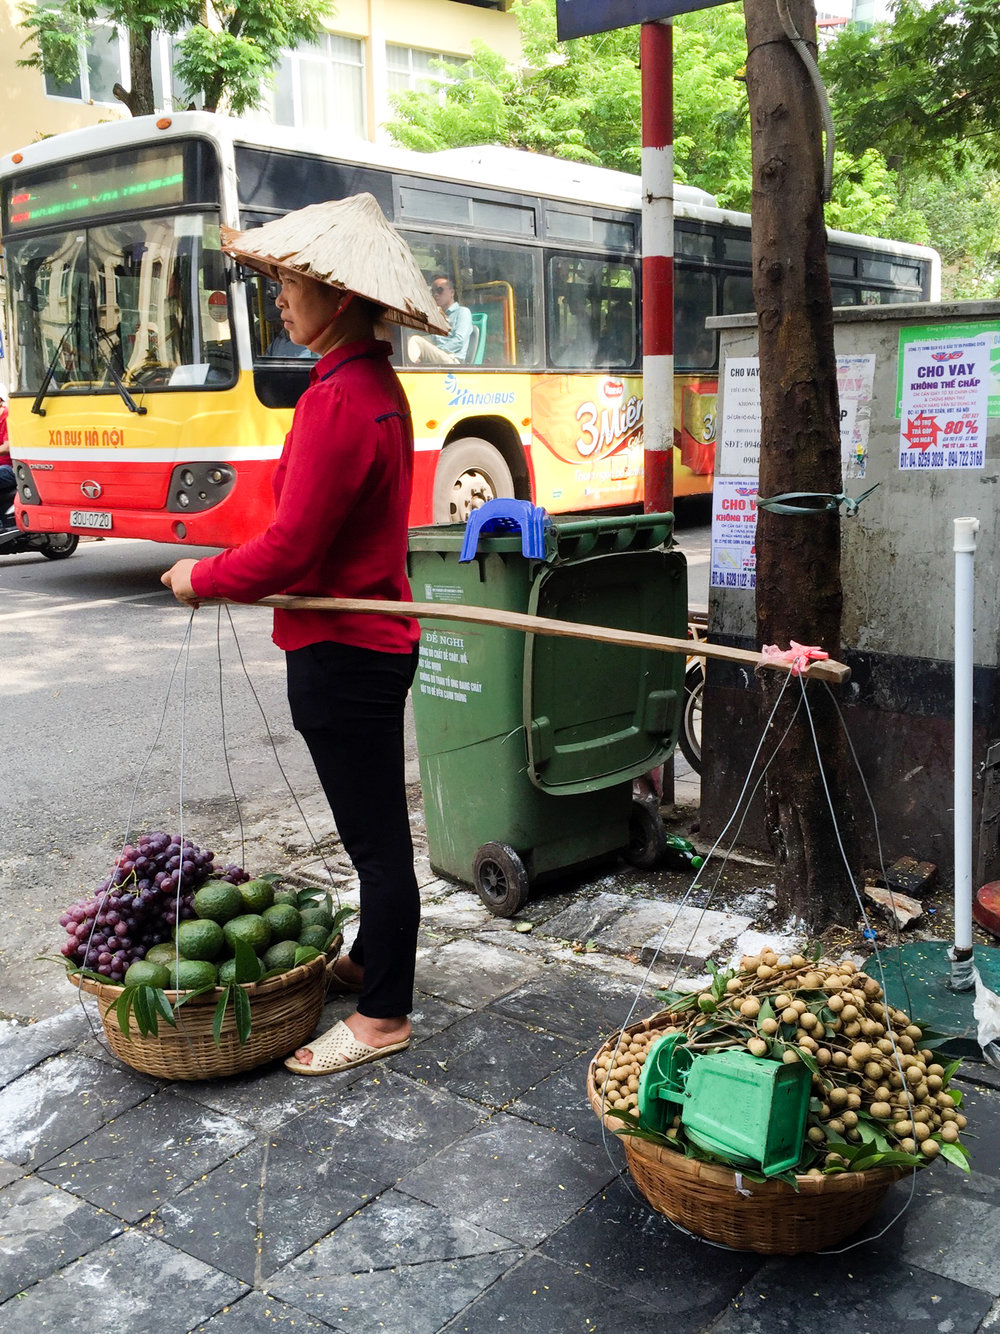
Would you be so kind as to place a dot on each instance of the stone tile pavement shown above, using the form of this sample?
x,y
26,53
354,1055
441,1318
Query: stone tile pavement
x,y
461,1186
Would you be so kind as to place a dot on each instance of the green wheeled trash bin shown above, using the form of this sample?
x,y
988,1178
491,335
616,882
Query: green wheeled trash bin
x,y
528,743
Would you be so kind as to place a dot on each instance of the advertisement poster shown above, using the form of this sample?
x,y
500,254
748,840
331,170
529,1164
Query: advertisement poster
x,y
944,403
734,533
739,436
739,440
734,508
587,440
958,333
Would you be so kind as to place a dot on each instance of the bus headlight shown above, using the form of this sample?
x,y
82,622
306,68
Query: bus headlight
x,y
26,488
199,486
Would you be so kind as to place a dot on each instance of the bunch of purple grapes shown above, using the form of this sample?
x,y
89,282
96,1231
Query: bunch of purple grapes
x,y
151,887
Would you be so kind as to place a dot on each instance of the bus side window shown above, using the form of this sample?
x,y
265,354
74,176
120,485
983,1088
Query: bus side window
x,y
737,294
592,313
574,306
694,301
617,346
499,284
268,335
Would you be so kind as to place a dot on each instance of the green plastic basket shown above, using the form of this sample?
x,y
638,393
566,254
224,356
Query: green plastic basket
x,y
746,1109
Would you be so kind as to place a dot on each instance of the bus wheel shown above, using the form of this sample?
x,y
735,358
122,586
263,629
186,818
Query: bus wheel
x,y
469,473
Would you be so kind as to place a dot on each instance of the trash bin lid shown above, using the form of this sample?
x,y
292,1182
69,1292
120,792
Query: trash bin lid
x,y
596,714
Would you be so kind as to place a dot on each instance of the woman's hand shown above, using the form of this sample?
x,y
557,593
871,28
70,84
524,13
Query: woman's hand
x,y
178,580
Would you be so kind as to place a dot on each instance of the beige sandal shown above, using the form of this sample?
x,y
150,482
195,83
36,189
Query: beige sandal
x,y
339,1049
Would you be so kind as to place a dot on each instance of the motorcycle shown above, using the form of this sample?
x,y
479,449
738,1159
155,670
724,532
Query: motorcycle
x,y
53,546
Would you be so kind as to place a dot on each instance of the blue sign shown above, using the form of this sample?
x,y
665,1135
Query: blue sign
x,y
583,18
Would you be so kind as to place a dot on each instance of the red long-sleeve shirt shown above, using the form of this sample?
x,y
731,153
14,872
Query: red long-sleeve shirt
x,y
342,487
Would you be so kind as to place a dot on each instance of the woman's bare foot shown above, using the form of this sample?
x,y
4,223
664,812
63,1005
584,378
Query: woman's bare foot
x,y
372,1032
378,1032
348,973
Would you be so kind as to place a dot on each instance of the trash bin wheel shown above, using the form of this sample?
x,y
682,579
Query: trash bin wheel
x,y
501,879
647,837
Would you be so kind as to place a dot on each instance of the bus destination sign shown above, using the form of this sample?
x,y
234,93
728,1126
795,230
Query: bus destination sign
x,y
584,18
93,189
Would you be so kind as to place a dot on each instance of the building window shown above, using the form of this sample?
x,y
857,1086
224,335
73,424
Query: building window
x,y
320,86
103,62
410,70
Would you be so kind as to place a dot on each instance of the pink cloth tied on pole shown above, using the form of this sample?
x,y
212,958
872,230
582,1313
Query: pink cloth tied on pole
x,y
799,655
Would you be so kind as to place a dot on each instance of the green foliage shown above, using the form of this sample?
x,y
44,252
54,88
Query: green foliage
x,y
925,88
232,58
578,100
57,30
227,54
581,100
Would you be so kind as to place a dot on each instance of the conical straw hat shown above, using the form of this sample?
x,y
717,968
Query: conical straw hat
x,y
349,244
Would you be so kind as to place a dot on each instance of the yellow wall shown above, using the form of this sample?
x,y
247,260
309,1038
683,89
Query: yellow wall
x,y
27,113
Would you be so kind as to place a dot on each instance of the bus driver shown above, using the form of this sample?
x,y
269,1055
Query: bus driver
x,y
444,349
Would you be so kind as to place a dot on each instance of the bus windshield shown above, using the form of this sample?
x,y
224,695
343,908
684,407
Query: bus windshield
x,y
143,302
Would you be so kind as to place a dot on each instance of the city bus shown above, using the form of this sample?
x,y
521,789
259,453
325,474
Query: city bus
x,y
151,389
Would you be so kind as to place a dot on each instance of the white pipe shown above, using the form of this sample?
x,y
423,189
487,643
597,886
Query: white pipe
x,y
965,553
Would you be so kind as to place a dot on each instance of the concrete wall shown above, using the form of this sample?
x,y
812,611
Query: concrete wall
x,y
898,624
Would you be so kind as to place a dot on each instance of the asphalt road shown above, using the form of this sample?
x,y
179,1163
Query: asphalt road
x,y
112,695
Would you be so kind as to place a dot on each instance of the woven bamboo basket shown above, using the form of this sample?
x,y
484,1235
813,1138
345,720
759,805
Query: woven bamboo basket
x,y
767,1217
285,1011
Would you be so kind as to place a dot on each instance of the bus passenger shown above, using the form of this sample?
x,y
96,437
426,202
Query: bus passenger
x,y
453,347
342,491
577,342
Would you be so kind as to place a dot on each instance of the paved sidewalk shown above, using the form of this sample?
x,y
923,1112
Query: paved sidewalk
x,y
461,1185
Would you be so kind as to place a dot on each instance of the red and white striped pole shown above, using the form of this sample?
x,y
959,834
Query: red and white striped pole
x,y
657,75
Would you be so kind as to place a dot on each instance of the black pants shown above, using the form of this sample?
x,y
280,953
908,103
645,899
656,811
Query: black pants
x,y
348,702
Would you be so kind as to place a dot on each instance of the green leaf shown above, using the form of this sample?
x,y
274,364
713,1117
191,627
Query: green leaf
x,y
248,965
957,1096
950,1071
870,1162
123,1008
342,916
244,1016
304,953
220,1013
272,877
807,1059
145,1015
956,1153
873,1134
789,1176
190,996
162,1005
766,1010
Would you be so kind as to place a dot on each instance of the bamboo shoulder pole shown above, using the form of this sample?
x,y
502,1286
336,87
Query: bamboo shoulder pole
x,y
825,670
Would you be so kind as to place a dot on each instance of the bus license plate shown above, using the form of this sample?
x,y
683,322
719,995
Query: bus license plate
x,y
89,519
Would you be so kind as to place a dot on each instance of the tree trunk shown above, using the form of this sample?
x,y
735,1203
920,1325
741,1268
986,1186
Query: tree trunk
x,y
799,592
139,97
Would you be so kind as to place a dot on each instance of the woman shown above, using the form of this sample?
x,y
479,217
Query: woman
x,y
342,490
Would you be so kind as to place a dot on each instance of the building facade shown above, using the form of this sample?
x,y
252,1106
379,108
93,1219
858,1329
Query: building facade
x,y
371,48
